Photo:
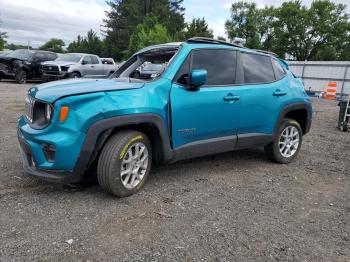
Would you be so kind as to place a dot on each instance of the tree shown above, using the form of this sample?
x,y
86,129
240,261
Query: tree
x,y
91,44
3,36
250,23
197,27
321,31
54,44
125,15
303,33
15,47
150,32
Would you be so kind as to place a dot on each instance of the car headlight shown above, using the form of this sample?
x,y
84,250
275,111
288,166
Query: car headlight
x,y
38,113
48,112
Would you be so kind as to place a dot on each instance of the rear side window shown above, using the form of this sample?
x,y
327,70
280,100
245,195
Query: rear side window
x,y
220,64
94,60
279,71
257,69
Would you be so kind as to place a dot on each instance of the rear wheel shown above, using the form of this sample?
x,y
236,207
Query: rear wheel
x,y
124,163
285,148
344,125
21,77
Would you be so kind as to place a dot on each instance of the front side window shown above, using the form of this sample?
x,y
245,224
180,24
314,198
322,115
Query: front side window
x,y
257,69
87,60
219,63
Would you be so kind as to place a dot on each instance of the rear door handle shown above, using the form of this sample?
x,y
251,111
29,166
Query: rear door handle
x,y
231,98
278,92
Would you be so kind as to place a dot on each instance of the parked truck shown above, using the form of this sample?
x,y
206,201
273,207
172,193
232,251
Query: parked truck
x,y
76,65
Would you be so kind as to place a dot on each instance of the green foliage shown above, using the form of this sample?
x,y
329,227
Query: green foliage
x,y
54,45
124,17
150,32
3,36
250,23
15,47
293,30
197,27
91,44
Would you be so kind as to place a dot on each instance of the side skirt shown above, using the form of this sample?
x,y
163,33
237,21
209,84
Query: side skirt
x,y
220,145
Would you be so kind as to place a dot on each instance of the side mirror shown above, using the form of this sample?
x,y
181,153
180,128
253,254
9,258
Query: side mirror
x,y
198,77
83,62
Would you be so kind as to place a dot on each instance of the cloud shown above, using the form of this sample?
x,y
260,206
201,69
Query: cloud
x,y
40,20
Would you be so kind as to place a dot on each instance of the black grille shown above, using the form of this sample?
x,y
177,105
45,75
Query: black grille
x,y
50,68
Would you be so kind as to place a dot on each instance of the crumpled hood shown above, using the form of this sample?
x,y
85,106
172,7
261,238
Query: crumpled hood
x,y
59,63
8,60
52,91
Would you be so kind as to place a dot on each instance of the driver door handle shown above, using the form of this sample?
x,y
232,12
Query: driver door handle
x,y
231,98
278,92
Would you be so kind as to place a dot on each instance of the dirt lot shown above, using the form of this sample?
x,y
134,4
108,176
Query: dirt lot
x,y
236,206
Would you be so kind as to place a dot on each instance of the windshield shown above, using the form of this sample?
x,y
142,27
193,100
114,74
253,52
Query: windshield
x,y
154,60
20,54
75,58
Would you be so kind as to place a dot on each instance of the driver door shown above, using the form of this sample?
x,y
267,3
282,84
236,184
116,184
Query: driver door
x,y
209,113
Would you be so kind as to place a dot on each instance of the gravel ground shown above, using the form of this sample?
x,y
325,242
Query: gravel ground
x,y
236,206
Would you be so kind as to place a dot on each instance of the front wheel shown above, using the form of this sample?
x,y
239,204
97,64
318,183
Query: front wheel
x,y
74,75
285,148
21,77
124,163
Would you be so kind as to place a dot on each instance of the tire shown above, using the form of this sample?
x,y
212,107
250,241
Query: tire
x,y
44,79
284,149
21,77
118,150
74,75
344,126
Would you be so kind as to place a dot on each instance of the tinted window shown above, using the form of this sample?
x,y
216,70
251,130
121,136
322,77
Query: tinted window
x,y
257,68
279,71
51,56
220,64
40,57
94,60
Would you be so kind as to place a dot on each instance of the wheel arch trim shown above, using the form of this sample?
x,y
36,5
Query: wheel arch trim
x,y
100,127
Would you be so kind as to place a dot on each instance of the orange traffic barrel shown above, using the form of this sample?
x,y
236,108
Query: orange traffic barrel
x,y
331,91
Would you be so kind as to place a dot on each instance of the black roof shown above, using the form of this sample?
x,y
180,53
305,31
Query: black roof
x,y
211,41
215,41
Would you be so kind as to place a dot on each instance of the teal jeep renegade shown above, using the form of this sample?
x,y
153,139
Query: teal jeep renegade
x,y
203,97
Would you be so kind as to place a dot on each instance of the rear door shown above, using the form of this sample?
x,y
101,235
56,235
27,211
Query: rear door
x,y
98,68
88,68
210,111
263,91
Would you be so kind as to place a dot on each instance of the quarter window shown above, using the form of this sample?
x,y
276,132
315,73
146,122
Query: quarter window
x,y
279,71
257,68
220,65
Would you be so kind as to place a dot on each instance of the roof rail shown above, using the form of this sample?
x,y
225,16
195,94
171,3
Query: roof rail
x,y
265,52
211,41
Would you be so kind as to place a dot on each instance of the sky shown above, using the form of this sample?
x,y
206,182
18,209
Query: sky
x,y
37,21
